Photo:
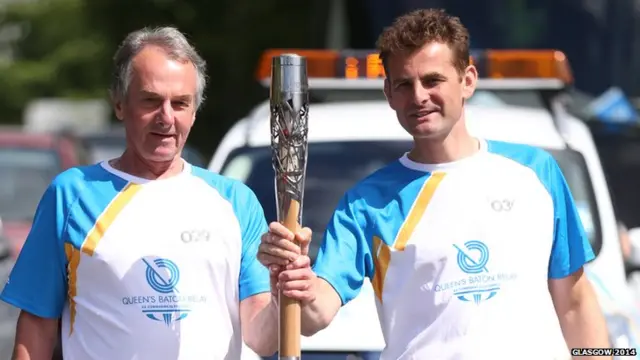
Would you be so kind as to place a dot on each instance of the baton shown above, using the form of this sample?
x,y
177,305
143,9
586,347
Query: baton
x,y
289,105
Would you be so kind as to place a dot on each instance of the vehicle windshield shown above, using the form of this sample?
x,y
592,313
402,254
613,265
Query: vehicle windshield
x,y
482,97
25,174
333,168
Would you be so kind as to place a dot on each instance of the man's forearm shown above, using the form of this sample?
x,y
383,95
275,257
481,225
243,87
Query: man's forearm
x,y
35,337
262,334
318,314
579,312
584,326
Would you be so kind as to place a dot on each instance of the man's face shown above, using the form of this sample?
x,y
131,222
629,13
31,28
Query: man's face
x,y
426,91
160,107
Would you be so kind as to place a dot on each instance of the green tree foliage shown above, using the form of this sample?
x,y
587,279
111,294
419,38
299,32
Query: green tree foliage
x,y
230,35
55,56
522,24
68,47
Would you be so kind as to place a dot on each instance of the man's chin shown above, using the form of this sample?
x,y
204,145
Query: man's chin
x,y
427,136
426,131
161,156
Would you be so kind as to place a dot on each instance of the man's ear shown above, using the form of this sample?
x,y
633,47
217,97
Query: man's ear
x,y
116,102
469,82
387,90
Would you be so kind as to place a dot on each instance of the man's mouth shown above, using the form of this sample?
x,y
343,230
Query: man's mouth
x,y
164,136
423,113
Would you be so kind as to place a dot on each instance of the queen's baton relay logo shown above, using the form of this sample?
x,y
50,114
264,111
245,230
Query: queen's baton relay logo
x,y
169,304
479,283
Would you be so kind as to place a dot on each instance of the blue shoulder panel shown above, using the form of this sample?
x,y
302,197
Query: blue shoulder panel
x,y
571,248
254,278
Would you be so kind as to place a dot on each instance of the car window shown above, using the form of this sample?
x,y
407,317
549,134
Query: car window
x,y
84,158
620,155
333,168
101,153
24,176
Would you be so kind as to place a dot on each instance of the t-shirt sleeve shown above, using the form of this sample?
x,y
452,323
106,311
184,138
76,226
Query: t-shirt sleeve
x,y
254,277
37,283
571,247
344,253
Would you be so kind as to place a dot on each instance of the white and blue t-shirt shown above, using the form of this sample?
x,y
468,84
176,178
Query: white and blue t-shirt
x,y
460,254
141,269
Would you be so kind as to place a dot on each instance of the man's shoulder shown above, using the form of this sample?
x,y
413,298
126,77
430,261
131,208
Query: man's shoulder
x,y
380,185
539,161
92,184
533,157
522,153
78,178
229,188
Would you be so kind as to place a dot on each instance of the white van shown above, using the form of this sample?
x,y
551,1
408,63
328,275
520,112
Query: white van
x,y
353,132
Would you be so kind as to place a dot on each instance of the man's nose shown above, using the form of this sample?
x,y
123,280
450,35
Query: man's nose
x,y
166,113
420,94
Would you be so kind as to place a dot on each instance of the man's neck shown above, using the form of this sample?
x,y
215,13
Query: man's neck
x,y
135,165
457,145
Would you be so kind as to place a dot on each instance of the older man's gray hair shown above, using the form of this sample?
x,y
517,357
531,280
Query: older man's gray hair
x,y
168,38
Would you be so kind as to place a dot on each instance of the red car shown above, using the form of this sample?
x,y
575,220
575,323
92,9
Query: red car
x,y
28,163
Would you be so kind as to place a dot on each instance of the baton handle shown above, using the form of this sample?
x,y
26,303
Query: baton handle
x,y
290,317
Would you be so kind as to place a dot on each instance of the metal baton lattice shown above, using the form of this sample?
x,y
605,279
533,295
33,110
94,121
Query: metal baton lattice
x,y
289,148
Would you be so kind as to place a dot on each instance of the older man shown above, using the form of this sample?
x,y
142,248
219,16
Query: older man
x,y
146,256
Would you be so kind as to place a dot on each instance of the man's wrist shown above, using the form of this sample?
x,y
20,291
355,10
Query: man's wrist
x,y
275,297
313,289
274,305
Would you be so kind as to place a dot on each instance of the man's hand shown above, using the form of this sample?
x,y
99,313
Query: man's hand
x,y
280,247
286,255
297,280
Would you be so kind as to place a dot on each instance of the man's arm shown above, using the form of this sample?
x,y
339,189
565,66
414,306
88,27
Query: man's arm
x,y
318,314
35,337
581,319
343,261
575,302
258,311
37,283
259,316
319,300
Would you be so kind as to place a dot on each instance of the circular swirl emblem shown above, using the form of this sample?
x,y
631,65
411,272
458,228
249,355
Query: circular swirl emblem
x,y
475,264
162,283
